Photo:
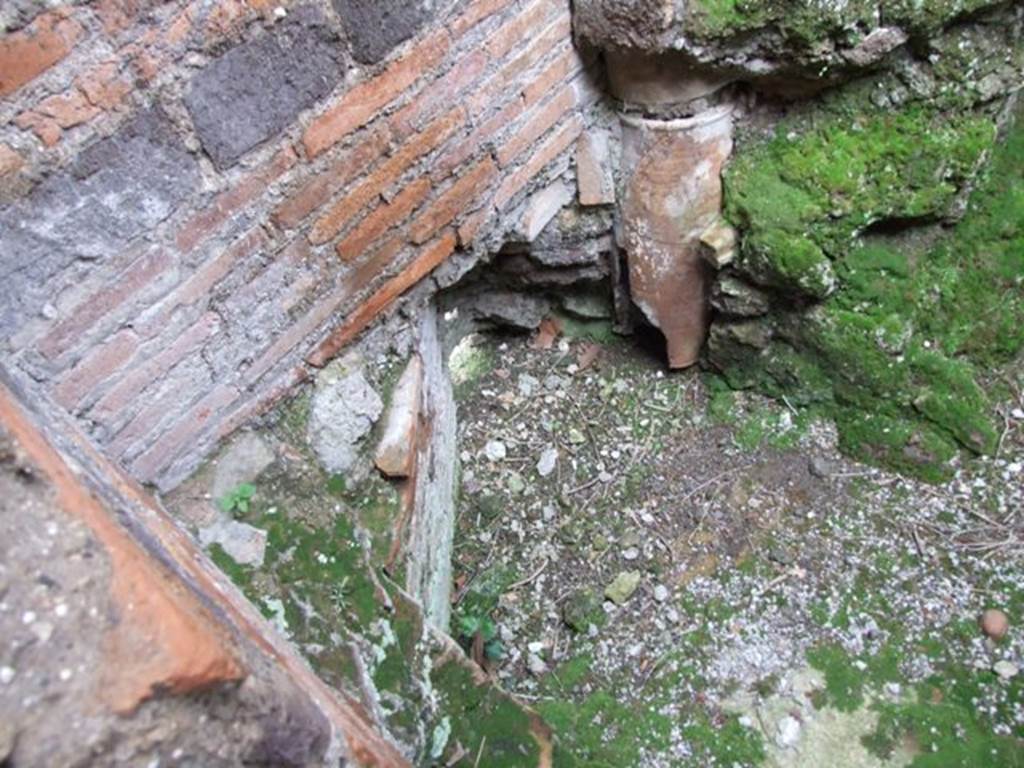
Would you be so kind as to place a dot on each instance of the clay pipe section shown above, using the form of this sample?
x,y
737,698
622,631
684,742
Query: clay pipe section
x,y
672,190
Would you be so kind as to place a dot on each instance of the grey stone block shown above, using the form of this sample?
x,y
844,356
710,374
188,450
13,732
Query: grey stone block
x,y
256,89
117,189
375,27
342,412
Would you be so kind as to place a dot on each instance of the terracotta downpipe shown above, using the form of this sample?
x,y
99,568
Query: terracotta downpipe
x,y
672,191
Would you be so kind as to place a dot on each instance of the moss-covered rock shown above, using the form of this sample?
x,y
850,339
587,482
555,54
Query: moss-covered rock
x,y
805,25
881,307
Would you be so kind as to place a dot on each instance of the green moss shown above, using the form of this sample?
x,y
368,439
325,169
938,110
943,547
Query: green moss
x,y
802,25
825,180
469,361
810,28
573,672
594,330
293,419
844,684
942,719
583,608
728,743
239,574
942,716
721,401
790,262
484,720
603,731
896,353
397,665
482,595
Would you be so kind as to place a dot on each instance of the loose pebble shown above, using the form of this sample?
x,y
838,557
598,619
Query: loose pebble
x,y
995,623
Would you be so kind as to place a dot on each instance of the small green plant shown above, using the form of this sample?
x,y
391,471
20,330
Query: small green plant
x,y
236,502
476,631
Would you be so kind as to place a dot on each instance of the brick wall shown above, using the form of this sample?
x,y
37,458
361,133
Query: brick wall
x,y
201,200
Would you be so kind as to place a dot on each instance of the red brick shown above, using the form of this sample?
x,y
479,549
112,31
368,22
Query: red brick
x,y
440,94
565,66
244,412
519,28
146,64
353,201
26,54
181,25
68,109
158,636
374,267
103,85
119,399
45,128
477,142
203,280
154,410
474,13
296,334
362,103
302,286
455,201
106,301
229,202
191,425
95,368
430,258
385,217
274,277
538,122
551,148
471,226
10,161
117,15
325,183
353,283
507,80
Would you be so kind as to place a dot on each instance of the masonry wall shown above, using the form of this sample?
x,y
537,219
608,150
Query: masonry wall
x,y
200,201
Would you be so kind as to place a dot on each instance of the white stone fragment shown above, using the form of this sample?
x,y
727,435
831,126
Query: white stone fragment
x,y
547,462
787,732
396,453
495,450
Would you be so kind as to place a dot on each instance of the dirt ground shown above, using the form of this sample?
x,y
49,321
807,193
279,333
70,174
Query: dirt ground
x,y
674,574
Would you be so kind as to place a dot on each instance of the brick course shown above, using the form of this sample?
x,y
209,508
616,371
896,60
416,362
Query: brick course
x,y
385,217
100,364
224,205
119,399
324,184
106,302
26,54
429,259
455,200
296,236
359,105
10,161
384,176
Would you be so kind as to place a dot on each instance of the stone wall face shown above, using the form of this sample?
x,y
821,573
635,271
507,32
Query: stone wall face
x,y
125,645
201,200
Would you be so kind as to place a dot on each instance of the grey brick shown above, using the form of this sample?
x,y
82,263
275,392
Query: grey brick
x,y
117,189
255,90
375,27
